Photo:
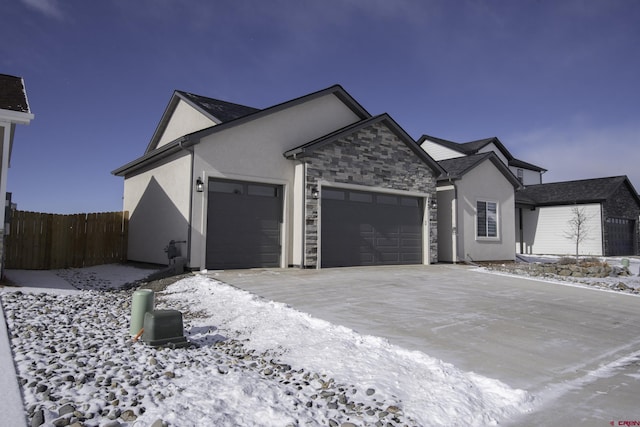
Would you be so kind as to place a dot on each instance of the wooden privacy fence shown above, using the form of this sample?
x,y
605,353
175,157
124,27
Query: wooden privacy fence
x,y
40,241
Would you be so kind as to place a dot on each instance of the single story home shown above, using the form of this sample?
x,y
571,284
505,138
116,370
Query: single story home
x,y
14,110
313,182
611,207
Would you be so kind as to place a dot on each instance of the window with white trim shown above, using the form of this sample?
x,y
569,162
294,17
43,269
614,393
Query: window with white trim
x,y
486,219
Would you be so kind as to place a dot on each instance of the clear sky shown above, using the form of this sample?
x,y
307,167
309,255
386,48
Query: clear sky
x,y
558,82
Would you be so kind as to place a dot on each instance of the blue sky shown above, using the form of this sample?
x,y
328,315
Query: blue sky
x,y
556,81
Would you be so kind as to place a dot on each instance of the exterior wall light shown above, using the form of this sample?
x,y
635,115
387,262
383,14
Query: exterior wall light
x,y
434,203
199,185
315,193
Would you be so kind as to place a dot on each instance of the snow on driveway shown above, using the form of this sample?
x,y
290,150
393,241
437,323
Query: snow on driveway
x,y
254,362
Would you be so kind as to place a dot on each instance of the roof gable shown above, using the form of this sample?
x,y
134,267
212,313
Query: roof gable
x,y
155,153
474,147
213,112
308,148
457,167
595,190
223,112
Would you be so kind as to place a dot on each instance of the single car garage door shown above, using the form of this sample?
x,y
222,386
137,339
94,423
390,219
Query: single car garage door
x,y
243,225
365,228
620,236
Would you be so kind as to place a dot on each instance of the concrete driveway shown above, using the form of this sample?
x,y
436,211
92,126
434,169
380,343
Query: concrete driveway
x,y
577,350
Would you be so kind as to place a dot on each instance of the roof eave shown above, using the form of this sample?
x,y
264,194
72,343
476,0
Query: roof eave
x,y
154,156
18,117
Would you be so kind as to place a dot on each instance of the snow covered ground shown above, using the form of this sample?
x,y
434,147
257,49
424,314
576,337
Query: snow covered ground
x,y
252,362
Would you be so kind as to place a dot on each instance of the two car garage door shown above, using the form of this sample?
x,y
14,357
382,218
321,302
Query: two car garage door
x,y
365,228
244,222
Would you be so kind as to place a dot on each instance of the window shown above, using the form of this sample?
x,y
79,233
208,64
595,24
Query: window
x,y
487,219
521,176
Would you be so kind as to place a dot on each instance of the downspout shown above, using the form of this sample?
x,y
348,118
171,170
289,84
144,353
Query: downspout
x,y
303,260
6,141
183,140
454,222
521,230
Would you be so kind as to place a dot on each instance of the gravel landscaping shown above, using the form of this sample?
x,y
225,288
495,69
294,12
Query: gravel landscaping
x,y
77,366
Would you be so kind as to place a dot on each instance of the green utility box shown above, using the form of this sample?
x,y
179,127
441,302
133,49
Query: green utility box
x,y
164,328
142,302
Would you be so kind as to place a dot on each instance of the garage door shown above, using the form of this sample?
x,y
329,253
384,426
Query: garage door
x,y
243,225
363,228
620,233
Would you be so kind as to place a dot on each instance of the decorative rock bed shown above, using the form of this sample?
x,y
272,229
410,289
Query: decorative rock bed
x,y
591,269
597,274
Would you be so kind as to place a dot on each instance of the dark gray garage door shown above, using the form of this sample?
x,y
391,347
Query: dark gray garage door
x,y
362,228
620,236
243,225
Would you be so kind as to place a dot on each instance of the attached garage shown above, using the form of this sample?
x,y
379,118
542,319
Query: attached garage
x,y
368,228
244,221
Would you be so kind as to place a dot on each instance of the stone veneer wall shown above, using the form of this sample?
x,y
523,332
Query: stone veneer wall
x,y
372,156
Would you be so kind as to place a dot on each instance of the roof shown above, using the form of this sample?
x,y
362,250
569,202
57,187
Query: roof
x,y
457,167
516,163
219,111
473,147
12,94
467,148
595,190
153,154
308,148
216,110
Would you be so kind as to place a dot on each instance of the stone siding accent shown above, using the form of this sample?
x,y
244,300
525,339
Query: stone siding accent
x,y
373,156
621,204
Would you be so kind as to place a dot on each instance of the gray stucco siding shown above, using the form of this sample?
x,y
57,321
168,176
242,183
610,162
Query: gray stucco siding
x,y
374,157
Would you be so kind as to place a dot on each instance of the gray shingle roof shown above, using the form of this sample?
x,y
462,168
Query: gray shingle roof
x,y
222,110
457,167
470,148
570,192
12,94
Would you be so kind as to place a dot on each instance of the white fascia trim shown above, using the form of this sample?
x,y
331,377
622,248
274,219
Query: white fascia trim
x,y
16,117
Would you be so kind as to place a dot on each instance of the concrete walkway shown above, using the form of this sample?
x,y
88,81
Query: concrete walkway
x,y
577,350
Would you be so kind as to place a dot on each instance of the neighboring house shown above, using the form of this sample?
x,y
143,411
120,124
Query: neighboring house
x,y
14,110
312,182
441,149
611,205
476,204
476,198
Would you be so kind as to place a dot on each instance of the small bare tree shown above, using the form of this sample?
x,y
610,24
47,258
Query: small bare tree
x,y
578,230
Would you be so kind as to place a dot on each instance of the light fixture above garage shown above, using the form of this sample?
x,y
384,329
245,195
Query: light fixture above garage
x,y
199,185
